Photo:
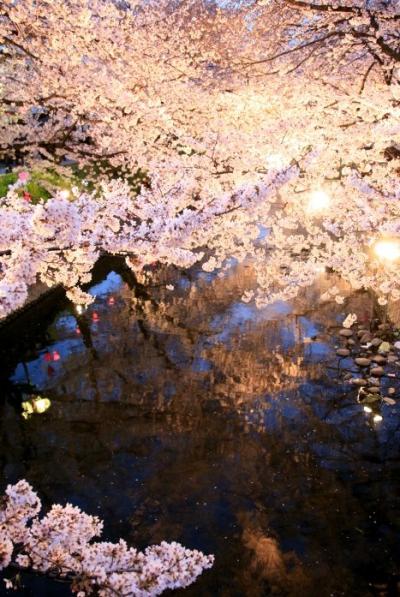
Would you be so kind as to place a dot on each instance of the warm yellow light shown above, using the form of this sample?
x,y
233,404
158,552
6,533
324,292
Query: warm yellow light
x,y
27,409
367,409
37,405
41,405
378,418
79,309
319,201
388,250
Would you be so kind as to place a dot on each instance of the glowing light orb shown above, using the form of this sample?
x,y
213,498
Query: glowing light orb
x,y
388,250
319,201
378,418
37,405
367,409
41,405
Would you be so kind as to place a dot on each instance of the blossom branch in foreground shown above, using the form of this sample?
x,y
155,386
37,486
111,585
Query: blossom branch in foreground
x,y
61,544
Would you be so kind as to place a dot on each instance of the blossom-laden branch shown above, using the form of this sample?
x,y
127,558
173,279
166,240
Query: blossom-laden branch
x,y
308,231
348,35
61,544
57,242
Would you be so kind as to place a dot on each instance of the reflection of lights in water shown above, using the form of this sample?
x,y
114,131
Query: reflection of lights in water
x,y
387,249
41,405
367,409
378,418
37,405
319,201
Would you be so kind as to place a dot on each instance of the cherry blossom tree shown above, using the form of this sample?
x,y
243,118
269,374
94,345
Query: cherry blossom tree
x,y
349,37
282,116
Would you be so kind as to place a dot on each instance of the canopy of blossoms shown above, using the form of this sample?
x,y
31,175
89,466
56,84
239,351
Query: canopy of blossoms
x,y
281,117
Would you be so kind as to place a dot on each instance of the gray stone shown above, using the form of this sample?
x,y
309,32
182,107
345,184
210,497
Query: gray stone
x,y
343,352
374,381
365,338
361,332
379,359
389,401
346,333
359,381
362,362
377,371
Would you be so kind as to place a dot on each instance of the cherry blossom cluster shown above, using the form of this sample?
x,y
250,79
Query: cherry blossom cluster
x,y
356,235
62,543
57,242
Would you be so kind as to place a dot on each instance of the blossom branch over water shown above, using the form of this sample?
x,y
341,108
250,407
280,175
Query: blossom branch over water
x,y
61,544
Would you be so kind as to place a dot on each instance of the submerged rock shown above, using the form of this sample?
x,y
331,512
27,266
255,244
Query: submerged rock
x,y
346,333
389,401
359,381
362,362
377,371
365,338
361,333
343,352
374,390
379,359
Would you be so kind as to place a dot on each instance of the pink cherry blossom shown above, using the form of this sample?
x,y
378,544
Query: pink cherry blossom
x,y
238,129
67,539
23,176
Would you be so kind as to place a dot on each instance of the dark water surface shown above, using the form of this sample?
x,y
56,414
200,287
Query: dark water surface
x,y
188,415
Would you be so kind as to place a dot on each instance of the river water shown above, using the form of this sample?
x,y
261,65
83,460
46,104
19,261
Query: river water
x,y
185,414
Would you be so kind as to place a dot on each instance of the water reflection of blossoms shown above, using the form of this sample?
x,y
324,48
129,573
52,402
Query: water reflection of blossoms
x,y
153,396
195,331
